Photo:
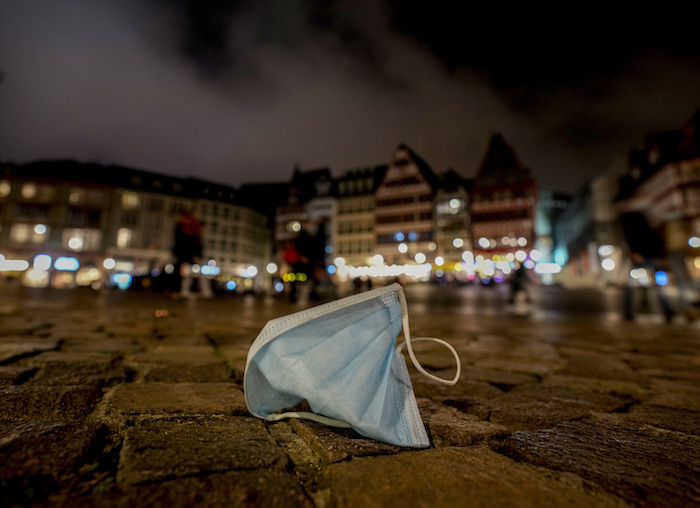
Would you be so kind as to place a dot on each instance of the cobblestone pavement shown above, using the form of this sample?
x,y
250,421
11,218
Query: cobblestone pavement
x,y
129,399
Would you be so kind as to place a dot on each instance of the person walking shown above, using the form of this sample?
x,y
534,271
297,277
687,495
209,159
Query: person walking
x,y
187,246
645,250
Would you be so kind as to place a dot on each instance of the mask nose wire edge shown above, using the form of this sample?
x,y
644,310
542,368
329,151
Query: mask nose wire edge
x,y
412,355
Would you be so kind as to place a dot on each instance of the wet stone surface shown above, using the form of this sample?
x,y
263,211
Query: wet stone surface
x,y
162,449
660,468
38,459
455,476
48,403
131,399
176,399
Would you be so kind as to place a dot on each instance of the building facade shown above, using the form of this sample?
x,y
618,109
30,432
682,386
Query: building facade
x,y
355,237
503,204
71,224
404,210
453,221
664,181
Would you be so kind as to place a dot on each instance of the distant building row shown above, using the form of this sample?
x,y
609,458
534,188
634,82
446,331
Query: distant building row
x,y
402,212
118,220
400,215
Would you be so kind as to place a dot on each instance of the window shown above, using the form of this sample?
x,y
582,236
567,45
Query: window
x,y
32,211
77,196
95,197
28,191
29,233
130,200
80,239
123,237
130,218
175,208
5,189
155,205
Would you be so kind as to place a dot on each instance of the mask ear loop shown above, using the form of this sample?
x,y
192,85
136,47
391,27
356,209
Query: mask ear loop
x,y
412,355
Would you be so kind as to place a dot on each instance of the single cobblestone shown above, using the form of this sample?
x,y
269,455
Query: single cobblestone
x,y
456,476
48,403
15,348
37,459
94,368
448,426
162,449
274,489
15,375
176,399
180,363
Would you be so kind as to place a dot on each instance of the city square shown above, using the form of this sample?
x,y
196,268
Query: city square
x,y
328,254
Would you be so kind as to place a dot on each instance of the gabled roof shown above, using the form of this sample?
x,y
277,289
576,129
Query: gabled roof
x,y
500,166
423,166
376,173
304,183
451,181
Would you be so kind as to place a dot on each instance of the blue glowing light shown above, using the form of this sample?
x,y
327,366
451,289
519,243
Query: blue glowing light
x,y
561,256
399,237
661,278
279,287
121,280
230,285
331,269
412,236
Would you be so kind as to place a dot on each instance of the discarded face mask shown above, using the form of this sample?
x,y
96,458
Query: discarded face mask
x,y
340,358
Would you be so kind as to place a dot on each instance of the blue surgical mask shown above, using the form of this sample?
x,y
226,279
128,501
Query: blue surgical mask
x,y
341,357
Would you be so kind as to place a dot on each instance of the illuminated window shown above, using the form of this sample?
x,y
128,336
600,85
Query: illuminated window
x,y
79,239
20,233
130,200
123,237
28,191
5,189
77,196
29,233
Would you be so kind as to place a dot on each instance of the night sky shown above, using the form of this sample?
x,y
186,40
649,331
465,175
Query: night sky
x,y
242,91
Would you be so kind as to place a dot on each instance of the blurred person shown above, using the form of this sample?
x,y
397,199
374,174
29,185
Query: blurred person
x,y
312,247
676,243
518,284
357,284
644,249
187,247
297,264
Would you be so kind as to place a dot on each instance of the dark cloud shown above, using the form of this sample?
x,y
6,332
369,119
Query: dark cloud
x,y
239,91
